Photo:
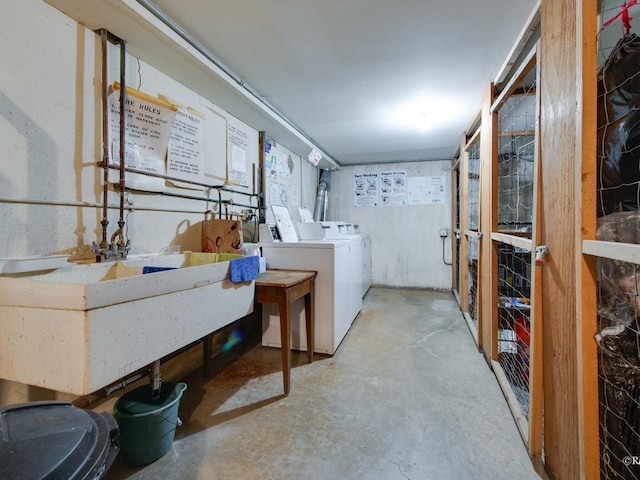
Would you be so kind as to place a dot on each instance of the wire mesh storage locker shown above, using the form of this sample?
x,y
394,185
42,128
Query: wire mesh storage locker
x,y
514,199
516,142
456,225
471,235
514,321
618,220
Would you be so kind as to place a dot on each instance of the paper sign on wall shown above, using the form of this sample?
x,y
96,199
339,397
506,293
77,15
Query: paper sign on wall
x,y
148,123
315,156
427,190
238,144
184,154
393,188
365,189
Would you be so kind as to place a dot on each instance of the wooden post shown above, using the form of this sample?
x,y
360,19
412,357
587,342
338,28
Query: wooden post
x,y
567,133
586,293
488,311
455,208
464,224
537,323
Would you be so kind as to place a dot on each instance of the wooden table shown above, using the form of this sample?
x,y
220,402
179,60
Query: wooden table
x,y
283,287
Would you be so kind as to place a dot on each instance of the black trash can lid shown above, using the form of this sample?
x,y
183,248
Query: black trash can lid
x,y
51,440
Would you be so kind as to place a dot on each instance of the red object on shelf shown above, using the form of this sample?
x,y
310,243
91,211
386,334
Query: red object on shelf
x,y
523,341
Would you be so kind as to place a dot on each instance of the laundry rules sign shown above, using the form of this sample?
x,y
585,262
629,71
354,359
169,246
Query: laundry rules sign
x,y
148,124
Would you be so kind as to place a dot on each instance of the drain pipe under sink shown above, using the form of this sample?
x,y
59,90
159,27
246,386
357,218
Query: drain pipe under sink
x,y
156,380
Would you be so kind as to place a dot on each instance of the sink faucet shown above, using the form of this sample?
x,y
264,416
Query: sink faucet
x,y
108,252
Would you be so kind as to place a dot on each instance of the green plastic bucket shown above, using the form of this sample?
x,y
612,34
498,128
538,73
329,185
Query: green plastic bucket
x,y
147,427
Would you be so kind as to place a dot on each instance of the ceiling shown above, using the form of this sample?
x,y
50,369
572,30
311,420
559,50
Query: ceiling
x,y
363,81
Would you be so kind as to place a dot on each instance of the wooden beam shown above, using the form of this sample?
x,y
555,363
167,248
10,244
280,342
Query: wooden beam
x,y
525,34
536,320
455,178
524,91
524,243
463,268
488,272
560,99
625,252
471,140
473,126
514,405
472,328
523,70
472,234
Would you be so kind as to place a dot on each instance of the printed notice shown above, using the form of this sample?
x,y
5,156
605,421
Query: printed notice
x,y
365,190
426,190
295,196
214,144
184,154
278,194
148,123
393,188
237,162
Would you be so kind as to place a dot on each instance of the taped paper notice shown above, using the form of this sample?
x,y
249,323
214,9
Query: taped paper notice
x,y
148,123
184,154
315,156
238,142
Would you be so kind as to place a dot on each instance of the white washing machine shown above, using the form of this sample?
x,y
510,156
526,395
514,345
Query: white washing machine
x,y
343,230
338,291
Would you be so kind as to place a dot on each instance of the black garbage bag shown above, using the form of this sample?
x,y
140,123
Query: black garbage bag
x,y
619,395
619,128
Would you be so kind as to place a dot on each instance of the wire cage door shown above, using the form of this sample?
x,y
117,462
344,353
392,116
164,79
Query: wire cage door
x,y
514,240
469,241
456,228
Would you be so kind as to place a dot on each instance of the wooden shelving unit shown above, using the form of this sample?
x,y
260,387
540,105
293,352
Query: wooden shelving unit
x,y
561,247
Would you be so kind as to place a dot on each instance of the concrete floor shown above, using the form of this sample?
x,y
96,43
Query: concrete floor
x,y
406,396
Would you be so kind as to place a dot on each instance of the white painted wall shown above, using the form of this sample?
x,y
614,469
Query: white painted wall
x,y
406,245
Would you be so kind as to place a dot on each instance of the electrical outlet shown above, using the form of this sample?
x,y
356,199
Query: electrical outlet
x,y
247,214
444,232
128,198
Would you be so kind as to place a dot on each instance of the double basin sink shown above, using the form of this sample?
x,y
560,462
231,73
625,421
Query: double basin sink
x,y
79,328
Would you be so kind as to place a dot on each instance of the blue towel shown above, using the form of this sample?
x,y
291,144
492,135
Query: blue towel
x,y
245,269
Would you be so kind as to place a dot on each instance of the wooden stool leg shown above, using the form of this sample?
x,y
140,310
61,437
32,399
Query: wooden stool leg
x,y
285,336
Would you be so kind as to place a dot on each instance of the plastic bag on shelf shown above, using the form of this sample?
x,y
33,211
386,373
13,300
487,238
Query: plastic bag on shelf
x,y
619,282
619,394
619,128
618,347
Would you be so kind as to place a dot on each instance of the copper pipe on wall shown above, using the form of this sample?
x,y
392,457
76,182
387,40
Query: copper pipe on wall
x,y
224,188
105,135
123,102
110,250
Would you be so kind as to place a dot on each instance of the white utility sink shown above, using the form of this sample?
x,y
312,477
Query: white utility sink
x,y
80,328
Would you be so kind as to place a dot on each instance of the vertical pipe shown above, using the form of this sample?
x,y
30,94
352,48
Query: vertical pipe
x,y
253,178
123,98
105,139
156,380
